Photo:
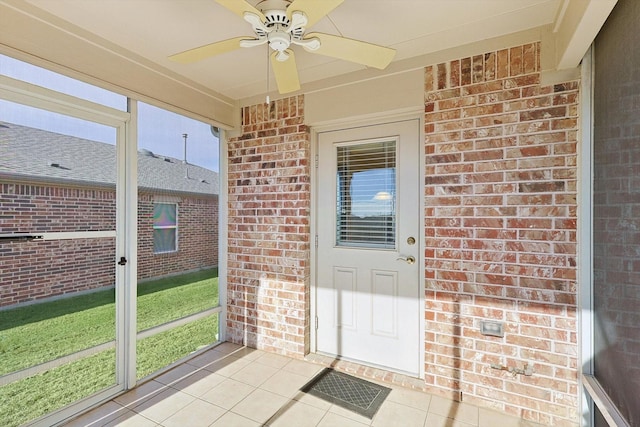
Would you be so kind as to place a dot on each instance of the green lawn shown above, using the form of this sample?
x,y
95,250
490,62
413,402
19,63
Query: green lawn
x,y
38,333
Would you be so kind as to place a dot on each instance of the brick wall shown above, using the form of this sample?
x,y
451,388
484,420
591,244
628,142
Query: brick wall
x,y
500,216
40,269
269,235
500,225
197,236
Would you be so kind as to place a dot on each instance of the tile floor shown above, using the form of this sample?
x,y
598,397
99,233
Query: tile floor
x,y
234,386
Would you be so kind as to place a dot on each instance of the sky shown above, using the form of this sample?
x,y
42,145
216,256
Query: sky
x,y
159,130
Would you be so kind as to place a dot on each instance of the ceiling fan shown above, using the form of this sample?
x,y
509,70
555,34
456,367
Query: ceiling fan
x,y
282,23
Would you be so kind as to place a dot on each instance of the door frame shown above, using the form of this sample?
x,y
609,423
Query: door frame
x,y
123,122
342,124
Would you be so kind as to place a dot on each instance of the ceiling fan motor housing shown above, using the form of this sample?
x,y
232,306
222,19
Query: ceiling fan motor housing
x,y
278,24
265,5
276,17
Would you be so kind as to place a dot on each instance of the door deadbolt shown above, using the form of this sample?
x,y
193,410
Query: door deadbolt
x,y
411,241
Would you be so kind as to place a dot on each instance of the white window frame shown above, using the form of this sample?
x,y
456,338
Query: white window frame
x,y
166,227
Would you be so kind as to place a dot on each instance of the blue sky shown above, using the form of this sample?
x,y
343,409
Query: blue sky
x,y
158,130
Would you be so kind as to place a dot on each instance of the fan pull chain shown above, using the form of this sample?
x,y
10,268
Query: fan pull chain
x,y
268,102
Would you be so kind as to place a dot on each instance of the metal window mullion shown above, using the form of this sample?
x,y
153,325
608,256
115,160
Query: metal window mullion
x,y
223,233
177,323
607,407
24,93
126,292
55,363
585,238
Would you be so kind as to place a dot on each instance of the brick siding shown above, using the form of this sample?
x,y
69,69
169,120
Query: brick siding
x,y
269,234
40,269
500,215
197,237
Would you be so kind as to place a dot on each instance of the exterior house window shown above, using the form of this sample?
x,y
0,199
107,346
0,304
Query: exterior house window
x,y
165,227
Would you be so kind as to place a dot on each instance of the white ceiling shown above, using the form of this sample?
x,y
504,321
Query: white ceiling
x,y
155,29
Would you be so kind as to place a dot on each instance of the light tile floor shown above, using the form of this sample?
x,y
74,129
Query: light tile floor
x,y
234,386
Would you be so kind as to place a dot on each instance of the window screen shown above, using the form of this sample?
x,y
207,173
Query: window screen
x,y
366,195
165,227
616,211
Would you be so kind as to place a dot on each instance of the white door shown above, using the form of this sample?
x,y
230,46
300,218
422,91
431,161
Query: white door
x,y
368,288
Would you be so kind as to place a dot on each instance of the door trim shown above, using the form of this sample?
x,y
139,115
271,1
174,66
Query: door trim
x,y
345,125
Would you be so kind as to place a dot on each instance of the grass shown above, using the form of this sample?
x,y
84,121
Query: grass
x,y
30,398
34,334
161,350
172,298
41,332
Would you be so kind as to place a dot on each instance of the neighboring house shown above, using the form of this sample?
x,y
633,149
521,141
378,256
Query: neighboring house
x,y
52,183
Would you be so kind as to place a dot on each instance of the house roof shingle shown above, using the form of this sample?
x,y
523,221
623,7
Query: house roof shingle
x,y
30,153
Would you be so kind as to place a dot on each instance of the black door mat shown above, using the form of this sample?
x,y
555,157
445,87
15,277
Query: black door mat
x,y
354,394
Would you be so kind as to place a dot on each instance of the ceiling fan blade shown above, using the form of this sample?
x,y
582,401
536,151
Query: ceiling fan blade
x,y
239,7
213,49
315,10
286,72
368,54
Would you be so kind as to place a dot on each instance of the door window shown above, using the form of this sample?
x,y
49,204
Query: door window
x,y
366,195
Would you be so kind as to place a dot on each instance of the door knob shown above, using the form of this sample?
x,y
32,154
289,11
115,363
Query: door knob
x,y
408,259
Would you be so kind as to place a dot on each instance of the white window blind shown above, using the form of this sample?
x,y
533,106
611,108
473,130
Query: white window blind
x,y
366,195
